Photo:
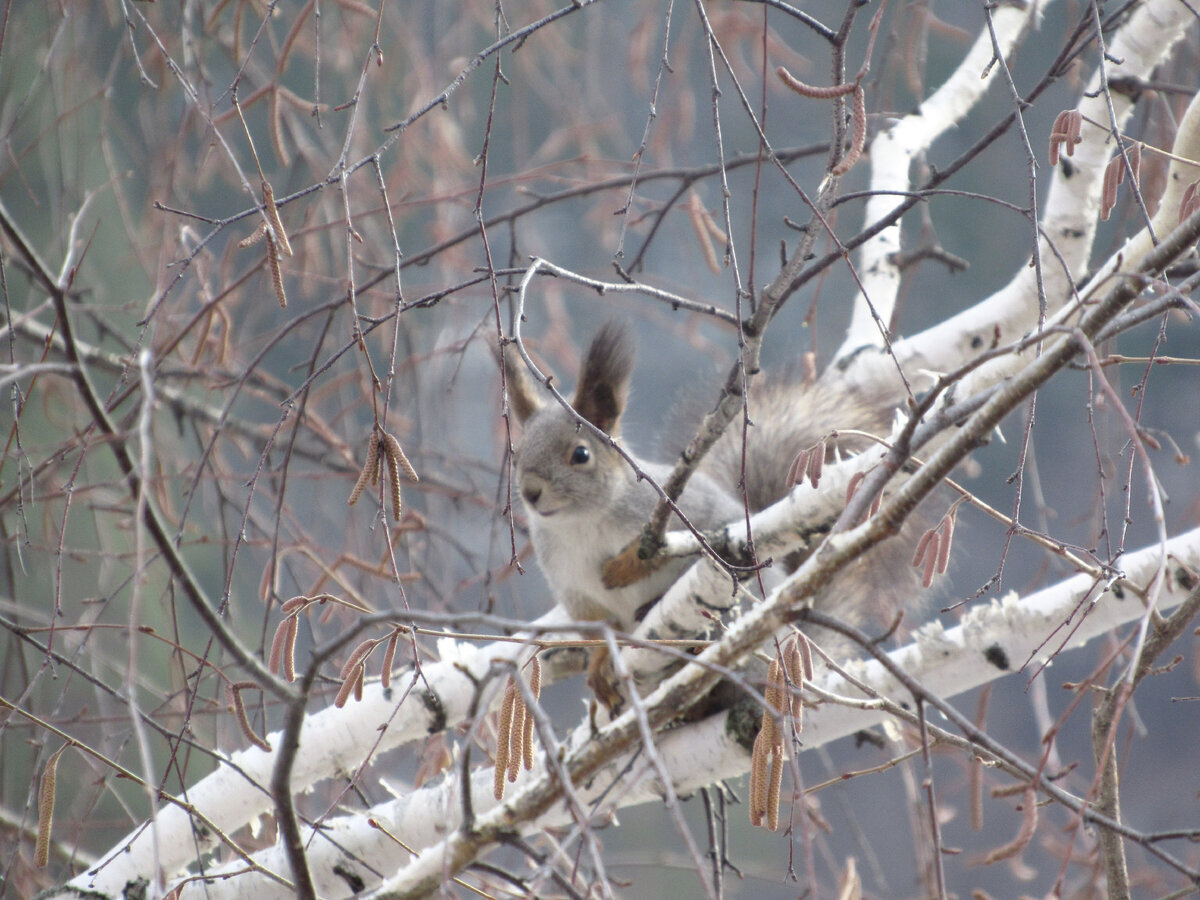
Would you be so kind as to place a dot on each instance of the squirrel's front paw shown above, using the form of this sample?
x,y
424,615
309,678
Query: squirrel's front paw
x,y
627,567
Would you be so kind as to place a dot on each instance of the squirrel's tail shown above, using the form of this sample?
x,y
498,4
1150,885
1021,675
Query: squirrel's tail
x,y
825,415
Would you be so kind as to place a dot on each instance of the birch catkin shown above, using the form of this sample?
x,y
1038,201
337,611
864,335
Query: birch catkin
x,y
41,852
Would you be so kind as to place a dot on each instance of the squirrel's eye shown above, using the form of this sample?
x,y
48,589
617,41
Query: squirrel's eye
x,y
580,455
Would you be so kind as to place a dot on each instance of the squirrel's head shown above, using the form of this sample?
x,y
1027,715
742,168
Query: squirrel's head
x,y
563,467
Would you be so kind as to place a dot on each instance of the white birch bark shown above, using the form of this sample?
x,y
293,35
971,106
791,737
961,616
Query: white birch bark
x,y
947,662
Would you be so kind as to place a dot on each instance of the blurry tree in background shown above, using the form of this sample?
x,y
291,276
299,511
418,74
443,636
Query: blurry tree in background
x,y
246,248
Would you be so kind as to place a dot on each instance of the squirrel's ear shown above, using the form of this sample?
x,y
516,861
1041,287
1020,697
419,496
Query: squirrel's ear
x,y
523,394
604,379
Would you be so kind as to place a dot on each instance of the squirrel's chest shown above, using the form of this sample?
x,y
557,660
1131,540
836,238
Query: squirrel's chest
x,y
572,553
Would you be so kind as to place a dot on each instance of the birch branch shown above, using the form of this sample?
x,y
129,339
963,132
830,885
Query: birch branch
x,y
946,662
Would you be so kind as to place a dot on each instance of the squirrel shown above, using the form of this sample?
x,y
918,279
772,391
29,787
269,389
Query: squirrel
x,y
585,503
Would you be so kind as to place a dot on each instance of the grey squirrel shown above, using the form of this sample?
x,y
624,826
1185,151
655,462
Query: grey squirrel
x,y
586,504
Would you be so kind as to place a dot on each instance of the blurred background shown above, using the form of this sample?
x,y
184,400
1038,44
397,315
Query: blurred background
x,y
128,170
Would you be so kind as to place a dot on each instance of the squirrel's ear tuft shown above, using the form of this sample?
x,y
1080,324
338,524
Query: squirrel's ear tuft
x,y
523,393
604,379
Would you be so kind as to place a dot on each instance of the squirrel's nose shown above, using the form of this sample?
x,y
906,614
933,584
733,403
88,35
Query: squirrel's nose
x,y
532,488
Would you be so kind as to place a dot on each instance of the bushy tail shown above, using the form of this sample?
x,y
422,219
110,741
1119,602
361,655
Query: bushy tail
x,y
791,419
